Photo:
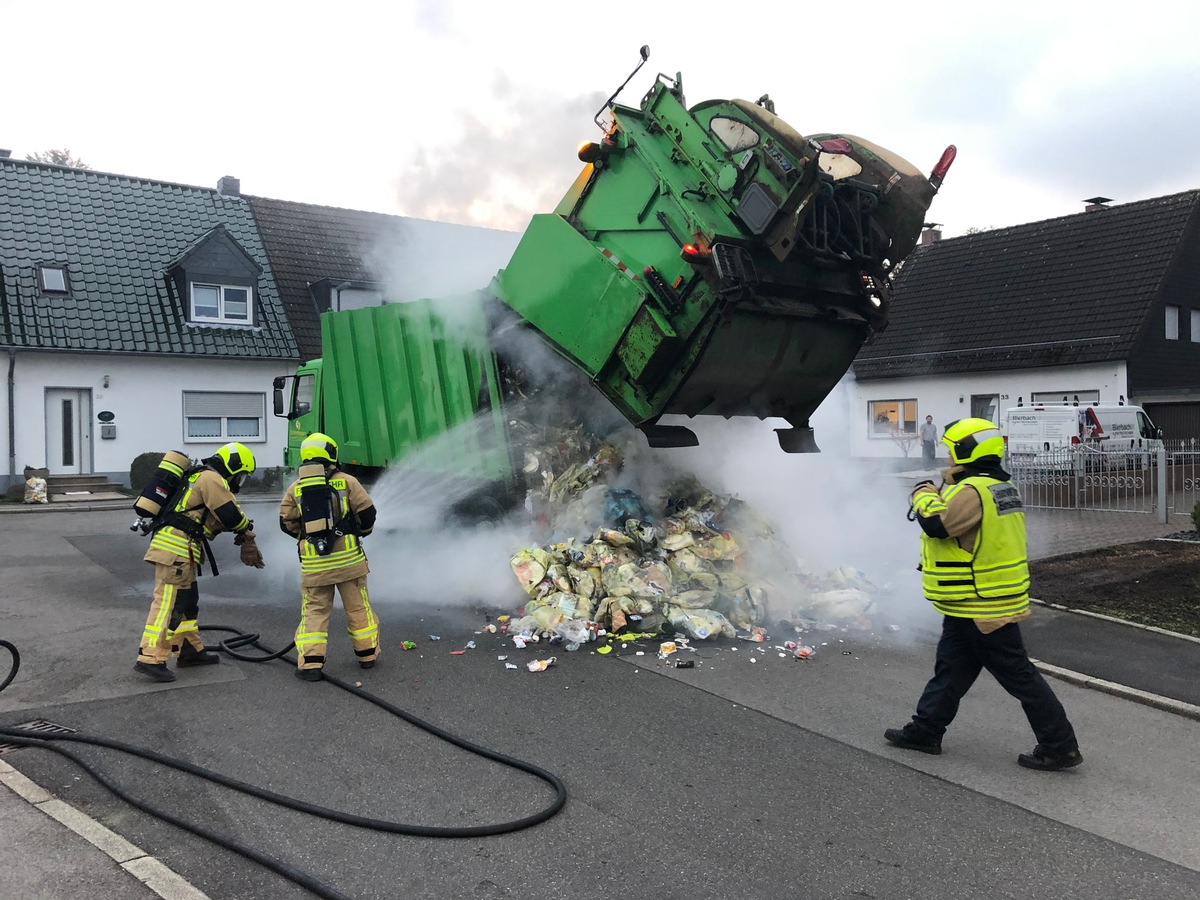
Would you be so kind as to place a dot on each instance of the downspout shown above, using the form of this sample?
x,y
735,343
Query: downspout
x,y
12,417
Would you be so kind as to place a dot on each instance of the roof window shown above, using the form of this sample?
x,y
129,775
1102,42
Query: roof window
x,y
52,279
222,303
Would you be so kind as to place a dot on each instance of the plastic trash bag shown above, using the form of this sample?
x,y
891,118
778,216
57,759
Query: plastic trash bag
x,y
35,490
700,623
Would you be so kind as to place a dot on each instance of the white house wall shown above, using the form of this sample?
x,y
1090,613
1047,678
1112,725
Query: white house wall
x,y
947,398
145,395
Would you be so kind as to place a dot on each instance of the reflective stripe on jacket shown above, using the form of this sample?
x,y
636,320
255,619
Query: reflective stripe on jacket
x,y
347,549
992,579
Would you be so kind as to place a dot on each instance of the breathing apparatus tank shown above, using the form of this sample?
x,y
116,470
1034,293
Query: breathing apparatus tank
x,y
316,507
152,502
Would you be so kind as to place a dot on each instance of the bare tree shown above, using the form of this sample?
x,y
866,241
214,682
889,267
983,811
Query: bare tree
x,y
61,157
903,439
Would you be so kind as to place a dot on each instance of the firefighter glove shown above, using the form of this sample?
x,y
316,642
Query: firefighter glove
x,y
243,536
251,555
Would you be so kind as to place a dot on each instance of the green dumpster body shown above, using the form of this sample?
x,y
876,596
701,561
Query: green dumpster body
x,y
790,277
706,261
394,377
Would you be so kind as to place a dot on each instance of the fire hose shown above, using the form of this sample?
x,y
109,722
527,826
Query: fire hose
x,y
231,646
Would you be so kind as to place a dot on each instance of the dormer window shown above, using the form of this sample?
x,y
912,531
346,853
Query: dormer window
x,y
53,279
221,304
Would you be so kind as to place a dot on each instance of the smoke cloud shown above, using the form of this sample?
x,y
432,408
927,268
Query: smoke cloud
x,y
504,166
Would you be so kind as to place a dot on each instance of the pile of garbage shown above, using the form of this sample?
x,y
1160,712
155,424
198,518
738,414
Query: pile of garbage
x,y
683,561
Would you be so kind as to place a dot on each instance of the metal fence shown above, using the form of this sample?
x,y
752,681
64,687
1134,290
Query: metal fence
x,y
1164,483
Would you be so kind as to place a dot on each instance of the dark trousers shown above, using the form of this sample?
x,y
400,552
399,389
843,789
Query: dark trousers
x,y
961,653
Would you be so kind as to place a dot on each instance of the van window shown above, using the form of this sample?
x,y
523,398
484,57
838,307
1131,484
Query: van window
x,y
1145,427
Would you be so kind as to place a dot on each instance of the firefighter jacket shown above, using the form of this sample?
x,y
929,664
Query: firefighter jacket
x,y
206,508
973,556
354,518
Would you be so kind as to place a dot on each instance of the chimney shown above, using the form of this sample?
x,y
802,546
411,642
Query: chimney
x,y
932,233
5,154
1095,203
229,187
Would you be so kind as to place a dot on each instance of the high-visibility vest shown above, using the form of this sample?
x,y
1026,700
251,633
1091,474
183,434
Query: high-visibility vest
x,y
347,548
991,580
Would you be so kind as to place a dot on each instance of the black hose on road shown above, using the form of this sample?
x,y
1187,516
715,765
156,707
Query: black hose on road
x,y
239,641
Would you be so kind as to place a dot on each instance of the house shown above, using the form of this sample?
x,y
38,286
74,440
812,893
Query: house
x,y
1103,305
135,316
140,315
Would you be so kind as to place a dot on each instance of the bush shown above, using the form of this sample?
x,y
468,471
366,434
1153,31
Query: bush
x,y
141,470
1196,516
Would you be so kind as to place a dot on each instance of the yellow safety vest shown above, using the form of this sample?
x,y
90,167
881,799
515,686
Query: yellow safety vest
x,y
991,581
347,549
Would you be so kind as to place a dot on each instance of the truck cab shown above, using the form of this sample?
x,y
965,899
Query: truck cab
x,y
295,400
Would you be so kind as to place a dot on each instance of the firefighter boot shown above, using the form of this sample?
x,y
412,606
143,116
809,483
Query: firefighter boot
x,y
190,656
157,671
309,674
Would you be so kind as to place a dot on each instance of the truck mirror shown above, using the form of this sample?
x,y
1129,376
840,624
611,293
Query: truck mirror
x,y
279,401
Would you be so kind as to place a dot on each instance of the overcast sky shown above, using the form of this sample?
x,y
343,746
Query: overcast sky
x,y
471,112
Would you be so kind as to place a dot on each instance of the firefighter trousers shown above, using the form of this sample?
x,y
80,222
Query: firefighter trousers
x,y
315,610
173,613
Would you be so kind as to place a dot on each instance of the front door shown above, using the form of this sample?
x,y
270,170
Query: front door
x,y
68,431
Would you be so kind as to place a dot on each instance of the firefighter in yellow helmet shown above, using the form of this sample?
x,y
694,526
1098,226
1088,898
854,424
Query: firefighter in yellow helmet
x,y
975,572
205,508
329,513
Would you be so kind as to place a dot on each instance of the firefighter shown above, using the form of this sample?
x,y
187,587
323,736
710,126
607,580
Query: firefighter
x,y
975,572
205,509
329,513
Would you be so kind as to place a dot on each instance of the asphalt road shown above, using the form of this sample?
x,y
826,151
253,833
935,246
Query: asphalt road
x,y
732,779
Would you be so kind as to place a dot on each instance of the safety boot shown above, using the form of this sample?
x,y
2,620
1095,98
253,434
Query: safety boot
x,y
308,674
158,671
1043,759
190,656
910,740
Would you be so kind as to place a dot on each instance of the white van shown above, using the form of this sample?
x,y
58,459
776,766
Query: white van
x,y
1045,433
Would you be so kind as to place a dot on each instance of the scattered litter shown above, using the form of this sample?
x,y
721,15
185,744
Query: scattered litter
x,y
541,665
408,645
470,645
511,666
804,652
685,664
435,637
457,652
502,657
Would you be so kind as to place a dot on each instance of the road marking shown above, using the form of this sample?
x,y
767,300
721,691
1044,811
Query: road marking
x,y
150,871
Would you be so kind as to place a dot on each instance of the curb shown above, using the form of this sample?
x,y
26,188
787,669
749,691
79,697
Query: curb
x,y
147,869
1167,704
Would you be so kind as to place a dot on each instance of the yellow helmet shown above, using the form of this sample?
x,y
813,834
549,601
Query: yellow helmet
x,y
972,439
318,446
234,461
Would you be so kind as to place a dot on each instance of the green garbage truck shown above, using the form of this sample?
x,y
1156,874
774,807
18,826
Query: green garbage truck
x,y
707,261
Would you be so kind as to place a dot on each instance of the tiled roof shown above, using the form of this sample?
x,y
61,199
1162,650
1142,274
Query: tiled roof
x,y
1076,289
308,244
117,236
